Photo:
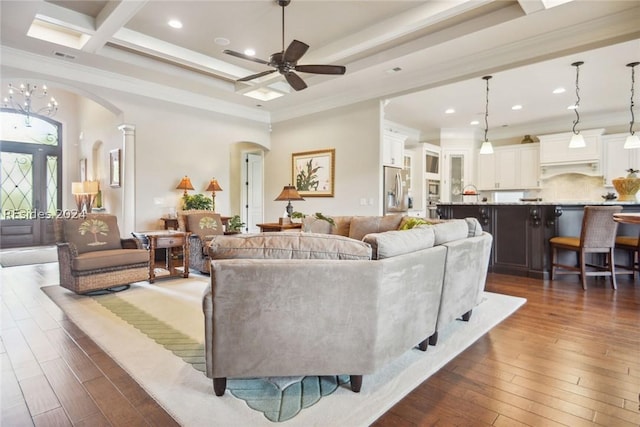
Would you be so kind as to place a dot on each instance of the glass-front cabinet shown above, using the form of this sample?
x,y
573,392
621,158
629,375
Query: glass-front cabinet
x,y
456,174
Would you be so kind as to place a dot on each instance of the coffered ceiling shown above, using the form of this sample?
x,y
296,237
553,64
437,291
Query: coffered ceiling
x,y
422,57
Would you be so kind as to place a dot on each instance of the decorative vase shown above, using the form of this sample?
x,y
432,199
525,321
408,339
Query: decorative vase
x,y
626,188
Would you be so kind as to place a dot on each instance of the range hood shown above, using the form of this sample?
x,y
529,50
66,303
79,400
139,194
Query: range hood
x,y
557,158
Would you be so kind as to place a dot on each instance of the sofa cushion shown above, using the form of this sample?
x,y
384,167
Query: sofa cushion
x,y
95,232
363,225
399,242
447,231
311,224
112,258
290,245
205,225
475,229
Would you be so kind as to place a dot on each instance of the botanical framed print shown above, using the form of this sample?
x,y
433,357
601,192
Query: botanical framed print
x,y
114,168
83,169
313,172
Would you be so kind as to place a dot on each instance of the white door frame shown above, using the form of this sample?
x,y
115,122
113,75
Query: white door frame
x,y
251,191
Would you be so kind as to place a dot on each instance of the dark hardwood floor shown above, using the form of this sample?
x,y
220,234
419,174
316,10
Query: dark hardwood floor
x,y
567,357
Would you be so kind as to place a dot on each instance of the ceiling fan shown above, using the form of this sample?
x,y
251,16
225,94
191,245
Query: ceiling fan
x,y
286,61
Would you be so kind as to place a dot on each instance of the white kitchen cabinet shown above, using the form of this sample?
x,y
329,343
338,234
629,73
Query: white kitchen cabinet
x,y
618,159
393,149
513,167
457,173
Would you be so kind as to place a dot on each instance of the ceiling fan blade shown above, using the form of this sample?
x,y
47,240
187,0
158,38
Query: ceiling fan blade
x,y
255,76
243,56
295,51
295,81
321,69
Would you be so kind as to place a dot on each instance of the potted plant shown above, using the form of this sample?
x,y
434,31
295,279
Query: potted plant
x,y
196,202
235,224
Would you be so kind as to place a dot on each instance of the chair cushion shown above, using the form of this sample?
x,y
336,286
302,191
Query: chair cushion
x,y
629,241
566,241
205,225
95,232
399,242
283,245
112,258
363,225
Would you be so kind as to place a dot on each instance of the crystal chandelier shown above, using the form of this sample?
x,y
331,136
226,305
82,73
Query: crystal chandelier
x,y
21,99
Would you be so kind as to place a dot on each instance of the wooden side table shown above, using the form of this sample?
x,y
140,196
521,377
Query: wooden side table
x,y
274,226
166,240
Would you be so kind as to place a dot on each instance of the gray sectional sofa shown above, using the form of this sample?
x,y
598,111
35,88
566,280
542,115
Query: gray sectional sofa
x,y
334,300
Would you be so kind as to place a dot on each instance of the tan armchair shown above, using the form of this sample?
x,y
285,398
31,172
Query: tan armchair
x,y
203,225
92,256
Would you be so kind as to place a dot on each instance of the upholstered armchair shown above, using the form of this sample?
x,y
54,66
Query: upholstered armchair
x,y
92,256
203,225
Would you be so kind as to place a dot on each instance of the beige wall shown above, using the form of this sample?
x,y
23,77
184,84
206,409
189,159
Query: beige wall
x,y
354,132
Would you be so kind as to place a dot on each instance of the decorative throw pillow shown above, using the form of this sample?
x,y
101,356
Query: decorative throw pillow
x,y
205,225
93,233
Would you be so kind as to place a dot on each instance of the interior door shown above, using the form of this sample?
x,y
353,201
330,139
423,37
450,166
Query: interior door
x,y
253,197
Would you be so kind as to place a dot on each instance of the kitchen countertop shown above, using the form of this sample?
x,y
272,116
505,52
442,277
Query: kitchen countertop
x,y
563,203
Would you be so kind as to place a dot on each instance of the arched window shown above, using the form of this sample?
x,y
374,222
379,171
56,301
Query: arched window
x,y
31,176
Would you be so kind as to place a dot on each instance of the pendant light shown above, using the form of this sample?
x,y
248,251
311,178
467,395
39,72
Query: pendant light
x,y
577,140
486,147
632,140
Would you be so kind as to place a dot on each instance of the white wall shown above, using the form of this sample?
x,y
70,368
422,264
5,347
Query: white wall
x,y
354,132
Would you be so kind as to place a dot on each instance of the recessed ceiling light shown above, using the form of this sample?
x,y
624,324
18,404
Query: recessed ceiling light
x,y
174,23
449,111
249,52
474,122
572,107
559,90
517,107
221,41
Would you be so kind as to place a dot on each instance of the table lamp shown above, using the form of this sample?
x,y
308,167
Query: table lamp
x,y
289,193
213,187
185,184
84,193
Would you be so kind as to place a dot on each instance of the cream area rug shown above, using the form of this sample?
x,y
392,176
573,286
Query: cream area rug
x,y
155,332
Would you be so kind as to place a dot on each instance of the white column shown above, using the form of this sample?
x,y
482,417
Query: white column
x,y
128,179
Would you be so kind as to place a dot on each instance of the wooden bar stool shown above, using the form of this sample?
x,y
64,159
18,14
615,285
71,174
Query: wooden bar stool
x,y
597,235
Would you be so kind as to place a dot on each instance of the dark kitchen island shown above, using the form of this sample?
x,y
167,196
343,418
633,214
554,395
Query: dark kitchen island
x,y
521,231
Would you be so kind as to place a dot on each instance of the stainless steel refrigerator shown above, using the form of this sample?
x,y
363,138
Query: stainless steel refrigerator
x,y
396,191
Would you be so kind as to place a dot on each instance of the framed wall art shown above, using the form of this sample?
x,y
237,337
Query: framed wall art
x,y
83,169
114,168
313,172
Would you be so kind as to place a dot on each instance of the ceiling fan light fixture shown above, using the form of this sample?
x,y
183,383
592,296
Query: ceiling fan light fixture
x,y
577,140
632,140
486,147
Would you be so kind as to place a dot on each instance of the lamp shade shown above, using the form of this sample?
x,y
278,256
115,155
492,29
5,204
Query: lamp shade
x,y
185,184
486,148
577,141
84,187
214,186
289,192
632,141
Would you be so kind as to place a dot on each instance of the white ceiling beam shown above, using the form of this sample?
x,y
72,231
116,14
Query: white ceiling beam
x,y
111,18
531,6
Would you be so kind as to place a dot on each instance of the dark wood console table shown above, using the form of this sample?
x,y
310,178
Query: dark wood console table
x,y
274,226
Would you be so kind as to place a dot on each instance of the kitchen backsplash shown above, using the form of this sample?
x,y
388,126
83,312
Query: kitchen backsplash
x,y
572,187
